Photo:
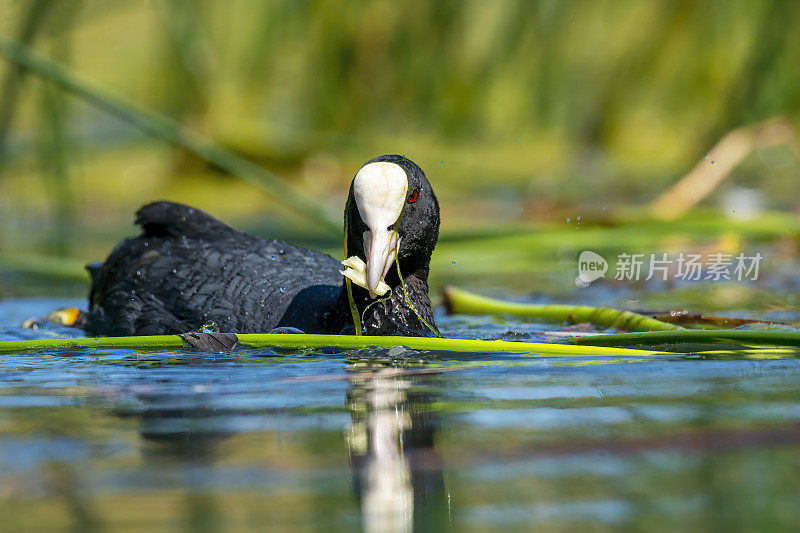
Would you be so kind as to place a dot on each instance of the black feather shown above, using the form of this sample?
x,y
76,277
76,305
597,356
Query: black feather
x,y
182,274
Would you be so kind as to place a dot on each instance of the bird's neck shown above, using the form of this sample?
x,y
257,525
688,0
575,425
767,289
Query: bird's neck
x,y
402,311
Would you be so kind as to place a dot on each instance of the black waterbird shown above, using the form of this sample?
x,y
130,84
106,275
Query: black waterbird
x,y
188,270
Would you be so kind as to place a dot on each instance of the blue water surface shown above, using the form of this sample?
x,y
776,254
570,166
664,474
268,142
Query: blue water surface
x,y
388,440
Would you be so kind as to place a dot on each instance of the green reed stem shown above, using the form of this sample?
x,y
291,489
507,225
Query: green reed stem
x,y
32,22
345,342
464,302
705,336
166,129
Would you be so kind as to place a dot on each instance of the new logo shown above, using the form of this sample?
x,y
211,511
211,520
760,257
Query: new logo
x,y
591,266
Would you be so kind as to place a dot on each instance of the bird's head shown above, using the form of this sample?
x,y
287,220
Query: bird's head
x,y
392,216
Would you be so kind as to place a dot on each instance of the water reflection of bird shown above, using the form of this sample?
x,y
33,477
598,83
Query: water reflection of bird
x,y
397,472
187,269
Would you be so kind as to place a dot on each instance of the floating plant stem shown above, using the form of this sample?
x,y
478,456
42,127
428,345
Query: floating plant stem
x,y
701,321
344,342
706,336
461,301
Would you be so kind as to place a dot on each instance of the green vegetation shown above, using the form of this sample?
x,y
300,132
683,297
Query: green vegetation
x,y
164,129
548,128
520,111
461,301
682,338
303,342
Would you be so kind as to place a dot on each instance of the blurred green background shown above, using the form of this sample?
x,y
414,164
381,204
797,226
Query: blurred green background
x,y
545,127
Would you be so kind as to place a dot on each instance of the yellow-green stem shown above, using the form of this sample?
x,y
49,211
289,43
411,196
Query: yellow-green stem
x,y
345,342
464,302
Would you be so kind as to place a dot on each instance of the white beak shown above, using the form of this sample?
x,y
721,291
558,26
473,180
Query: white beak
x,y
380,191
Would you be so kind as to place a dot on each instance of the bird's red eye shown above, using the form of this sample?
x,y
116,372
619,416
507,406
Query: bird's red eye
x,y
413,197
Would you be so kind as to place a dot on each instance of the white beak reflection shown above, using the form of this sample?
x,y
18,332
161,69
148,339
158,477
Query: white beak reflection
x,y
398,471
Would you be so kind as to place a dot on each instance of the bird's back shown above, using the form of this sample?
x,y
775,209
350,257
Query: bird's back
x,y
188,269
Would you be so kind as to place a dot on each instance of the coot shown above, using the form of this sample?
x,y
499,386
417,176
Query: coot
x,y
188,270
